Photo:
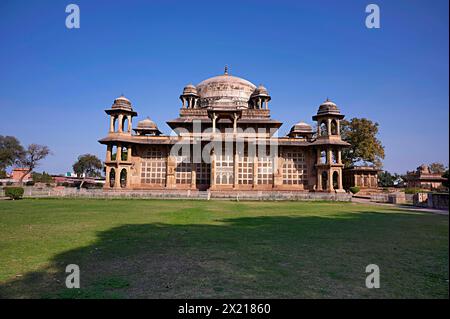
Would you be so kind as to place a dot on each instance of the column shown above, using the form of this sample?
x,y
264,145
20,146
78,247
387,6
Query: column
x,y
117,180
120,120
255,170
129,124
235,168
329,127
108,152
329,156
111,124
119,153
339,159
213,169
319,180
318,157
107,180
193,176
338,127
235,117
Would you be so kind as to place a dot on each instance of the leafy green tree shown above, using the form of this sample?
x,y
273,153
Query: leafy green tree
x,y
445,175
88,164
10,152
437,168
365,147
42,177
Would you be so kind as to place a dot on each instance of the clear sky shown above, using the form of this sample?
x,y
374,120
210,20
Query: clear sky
x,y
55,82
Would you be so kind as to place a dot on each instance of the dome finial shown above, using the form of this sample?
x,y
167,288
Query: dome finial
x,y
226,70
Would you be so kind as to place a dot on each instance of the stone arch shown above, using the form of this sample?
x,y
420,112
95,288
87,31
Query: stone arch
x,y
334,127
323,157
125,124
115,128
112,177
124,153
113,152
335,180
324,178
123,177
323,129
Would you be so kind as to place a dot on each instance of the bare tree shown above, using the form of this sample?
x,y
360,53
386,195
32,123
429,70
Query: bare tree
x,y
32,156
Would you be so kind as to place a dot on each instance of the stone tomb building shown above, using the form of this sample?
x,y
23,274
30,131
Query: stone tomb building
x,y
364,177
224,139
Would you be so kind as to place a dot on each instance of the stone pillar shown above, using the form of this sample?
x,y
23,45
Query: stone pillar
x,y
193,176
213,170
111,124
339,159
236,168
129,124
330,181
341,187
319,180
120,120
170,173
107,180
329,127
338,127
329,156
117,180
255,170
108,152
119,153
235,117
318,156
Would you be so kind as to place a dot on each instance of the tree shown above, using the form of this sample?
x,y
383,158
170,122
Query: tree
x,y
88,164
42,178
437,168
365,147
445,175
10,152
32,156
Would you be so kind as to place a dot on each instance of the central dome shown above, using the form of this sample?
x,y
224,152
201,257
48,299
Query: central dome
x,y
225,88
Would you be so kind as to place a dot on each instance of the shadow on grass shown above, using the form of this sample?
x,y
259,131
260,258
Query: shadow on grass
x,y
258,257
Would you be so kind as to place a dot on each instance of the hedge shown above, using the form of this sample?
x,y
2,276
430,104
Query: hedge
x,y
14,192
354,189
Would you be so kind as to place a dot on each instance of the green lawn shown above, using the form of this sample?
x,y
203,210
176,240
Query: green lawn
x,y
189,249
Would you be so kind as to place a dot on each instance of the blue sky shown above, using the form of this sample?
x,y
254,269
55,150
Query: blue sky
x,y
55,83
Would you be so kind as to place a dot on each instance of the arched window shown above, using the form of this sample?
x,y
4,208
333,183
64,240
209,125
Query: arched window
x,y
324,181
125,124
124,153
112,177
323,129
115,124
334,157
334,130
123,178
336,180
323,157
113,152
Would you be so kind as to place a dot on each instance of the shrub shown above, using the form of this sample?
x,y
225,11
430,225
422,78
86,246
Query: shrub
x,y
413,190
354,189
14,192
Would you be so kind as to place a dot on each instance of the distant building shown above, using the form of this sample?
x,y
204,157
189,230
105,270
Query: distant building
x,y
423,178
364,177
17,174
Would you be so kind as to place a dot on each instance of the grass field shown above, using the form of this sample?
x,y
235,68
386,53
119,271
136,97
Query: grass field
x,y
204,249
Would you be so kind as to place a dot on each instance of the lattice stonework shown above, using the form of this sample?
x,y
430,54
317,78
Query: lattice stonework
x,y
265,170
153,167
202,173
294,168
245,170
183,170
224,169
